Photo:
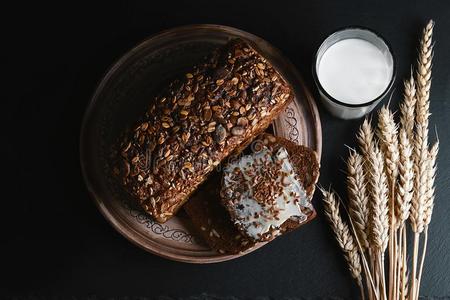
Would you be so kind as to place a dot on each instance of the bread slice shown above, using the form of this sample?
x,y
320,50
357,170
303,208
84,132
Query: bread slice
x,y
213,220
195,123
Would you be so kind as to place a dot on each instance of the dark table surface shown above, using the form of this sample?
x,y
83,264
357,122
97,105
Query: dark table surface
x,y
53,240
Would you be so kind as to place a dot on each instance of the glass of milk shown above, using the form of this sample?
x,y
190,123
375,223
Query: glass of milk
x,y
354,69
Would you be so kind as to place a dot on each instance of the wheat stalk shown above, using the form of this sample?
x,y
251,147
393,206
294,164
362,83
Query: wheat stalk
x,y
387,132
422,113
402,275
403,286
365,138
421,138
358,199
421,153
379,228
343,236
428,205
406,178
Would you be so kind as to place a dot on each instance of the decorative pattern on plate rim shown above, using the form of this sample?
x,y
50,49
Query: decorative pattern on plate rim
x,y
291,121
157,228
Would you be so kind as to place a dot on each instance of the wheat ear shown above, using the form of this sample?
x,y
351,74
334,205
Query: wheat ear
x,y
343,235
406,139
406,177
358,199
365,138
407,107
379,201
417,214
403,198
387,132
423,75
430,183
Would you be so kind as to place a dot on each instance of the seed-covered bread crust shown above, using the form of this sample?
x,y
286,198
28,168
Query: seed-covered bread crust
x,y
196,122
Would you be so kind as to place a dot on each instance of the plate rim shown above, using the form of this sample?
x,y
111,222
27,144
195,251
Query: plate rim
x,y
115,221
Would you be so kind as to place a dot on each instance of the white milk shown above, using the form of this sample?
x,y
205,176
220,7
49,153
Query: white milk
x,y
354,71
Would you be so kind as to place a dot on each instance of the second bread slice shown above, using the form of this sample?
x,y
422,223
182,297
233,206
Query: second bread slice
x,y
214,221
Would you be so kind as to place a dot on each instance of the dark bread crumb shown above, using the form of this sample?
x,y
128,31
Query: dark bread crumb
x,y
207,214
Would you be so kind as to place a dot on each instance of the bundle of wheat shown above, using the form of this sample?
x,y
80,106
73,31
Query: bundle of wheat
x,y
390,182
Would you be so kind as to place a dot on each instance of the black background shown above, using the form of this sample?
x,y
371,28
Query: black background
x,y
55,242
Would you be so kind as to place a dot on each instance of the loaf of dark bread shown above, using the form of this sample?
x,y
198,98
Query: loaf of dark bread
x,y
213,220
214,110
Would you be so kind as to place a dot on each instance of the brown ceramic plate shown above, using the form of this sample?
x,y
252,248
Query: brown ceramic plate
x,y
122,95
